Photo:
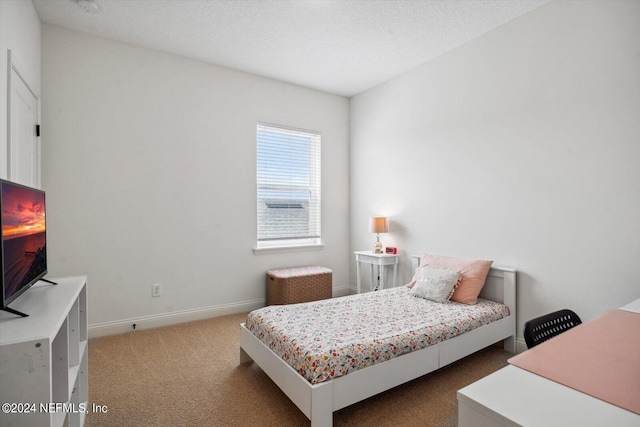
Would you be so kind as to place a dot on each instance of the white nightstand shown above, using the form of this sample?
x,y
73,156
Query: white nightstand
x,y
381,260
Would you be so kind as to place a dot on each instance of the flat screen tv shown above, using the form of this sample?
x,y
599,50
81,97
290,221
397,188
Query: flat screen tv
x,y
23,252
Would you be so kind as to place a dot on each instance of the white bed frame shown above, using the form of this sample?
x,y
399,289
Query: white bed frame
x,y
319,401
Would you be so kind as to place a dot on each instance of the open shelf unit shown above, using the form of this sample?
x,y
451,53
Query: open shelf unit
x,y
44,357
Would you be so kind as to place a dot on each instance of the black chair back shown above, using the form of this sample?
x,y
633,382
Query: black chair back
x,y
545,327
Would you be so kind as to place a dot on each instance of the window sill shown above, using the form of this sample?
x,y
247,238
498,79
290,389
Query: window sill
x,y
286,249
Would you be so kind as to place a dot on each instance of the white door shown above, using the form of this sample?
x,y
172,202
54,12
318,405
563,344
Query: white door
x,y
23,142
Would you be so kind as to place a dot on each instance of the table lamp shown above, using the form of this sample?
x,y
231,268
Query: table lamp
x,y
378,225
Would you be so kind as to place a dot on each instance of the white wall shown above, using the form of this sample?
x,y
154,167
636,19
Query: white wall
x,y
149,168
20,32
522,146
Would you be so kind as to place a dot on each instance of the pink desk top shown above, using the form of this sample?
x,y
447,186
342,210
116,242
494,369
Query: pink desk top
x,y
600,358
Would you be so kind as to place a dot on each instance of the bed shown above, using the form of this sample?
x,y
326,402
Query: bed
x,y
318,396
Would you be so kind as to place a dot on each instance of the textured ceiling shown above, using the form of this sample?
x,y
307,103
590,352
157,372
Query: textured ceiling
x,y
343,47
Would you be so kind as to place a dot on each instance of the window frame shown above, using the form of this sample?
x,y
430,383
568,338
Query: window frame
x,y
286,244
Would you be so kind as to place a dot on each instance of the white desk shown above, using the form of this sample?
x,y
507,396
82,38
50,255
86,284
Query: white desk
x,y
516,397
632,306
381,260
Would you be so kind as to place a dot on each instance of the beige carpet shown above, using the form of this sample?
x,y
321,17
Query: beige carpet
x,y
189,375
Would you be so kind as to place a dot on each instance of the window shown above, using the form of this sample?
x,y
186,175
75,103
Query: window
x,y
288,178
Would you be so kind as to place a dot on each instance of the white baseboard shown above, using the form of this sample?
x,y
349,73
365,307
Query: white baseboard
x,y
521,345
342,291
173,318
177,317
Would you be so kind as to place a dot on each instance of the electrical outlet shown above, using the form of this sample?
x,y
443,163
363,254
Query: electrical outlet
x,y
156,291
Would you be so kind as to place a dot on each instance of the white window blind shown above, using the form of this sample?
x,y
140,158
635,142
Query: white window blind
x,y
288,178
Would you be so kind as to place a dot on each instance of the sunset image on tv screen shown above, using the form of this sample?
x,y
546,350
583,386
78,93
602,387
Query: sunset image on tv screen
x,y
22,212
23,237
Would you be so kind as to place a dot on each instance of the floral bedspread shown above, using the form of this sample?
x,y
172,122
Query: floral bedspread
x,y
330,338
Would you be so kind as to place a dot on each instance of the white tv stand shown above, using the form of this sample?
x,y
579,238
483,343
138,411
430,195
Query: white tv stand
x,y
43,357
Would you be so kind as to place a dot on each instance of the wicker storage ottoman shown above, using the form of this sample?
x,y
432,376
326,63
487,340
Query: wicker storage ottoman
x,y
298,284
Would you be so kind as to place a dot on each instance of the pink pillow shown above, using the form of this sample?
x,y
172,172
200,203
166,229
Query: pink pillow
x,y
473,272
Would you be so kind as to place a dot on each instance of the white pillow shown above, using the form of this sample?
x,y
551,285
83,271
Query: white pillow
x,y
433,283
